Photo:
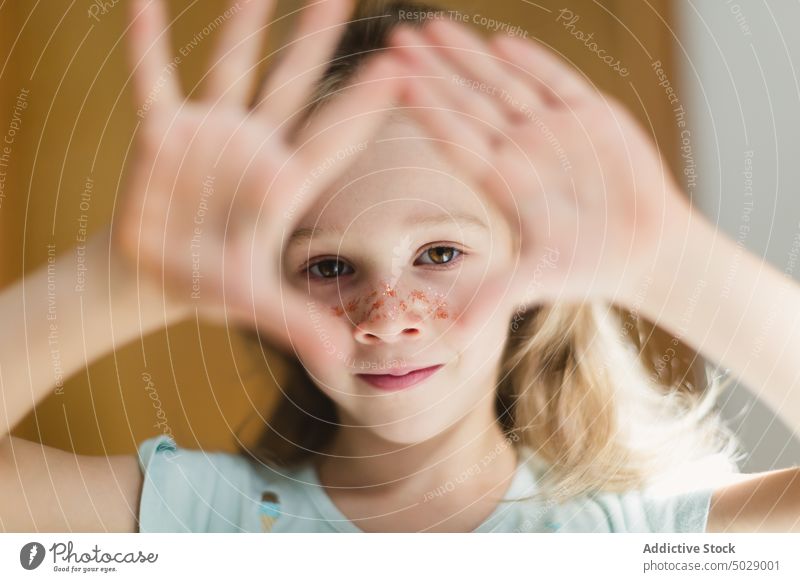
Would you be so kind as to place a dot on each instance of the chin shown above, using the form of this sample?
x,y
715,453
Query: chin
x,y
409,431
412,428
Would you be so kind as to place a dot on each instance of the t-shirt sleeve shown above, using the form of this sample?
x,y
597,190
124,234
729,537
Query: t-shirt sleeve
x,y
188,490
640,512
682,513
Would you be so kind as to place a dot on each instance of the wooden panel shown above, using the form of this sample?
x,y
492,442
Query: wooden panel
x,y
9,193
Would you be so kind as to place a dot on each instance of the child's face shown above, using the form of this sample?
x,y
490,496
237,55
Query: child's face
x,y
383,264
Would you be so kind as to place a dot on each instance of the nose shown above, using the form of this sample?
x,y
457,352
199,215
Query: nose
x,y
374,331
387,317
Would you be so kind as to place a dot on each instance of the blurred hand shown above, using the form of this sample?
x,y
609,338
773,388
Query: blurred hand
x,y
578,179
215,186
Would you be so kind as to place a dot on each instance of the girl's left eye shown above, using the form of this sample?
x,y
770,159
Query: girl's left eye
x,y
441,255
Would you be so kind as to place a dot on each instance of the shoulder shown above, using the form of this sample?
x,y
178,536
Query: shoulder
x,y
633,511
760,502
190,490
644,511
638,510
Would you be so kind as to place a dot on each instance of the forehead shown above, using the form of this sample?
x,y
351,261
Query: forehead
x,y
399,171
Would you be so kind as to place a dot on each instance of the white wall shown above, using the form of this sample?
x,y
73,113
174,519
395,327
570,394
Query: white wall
x,y
741,88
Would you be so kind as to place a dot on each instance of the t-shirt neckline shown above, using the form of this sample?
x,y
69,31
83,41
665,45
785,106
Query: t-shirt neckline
x,y
521,483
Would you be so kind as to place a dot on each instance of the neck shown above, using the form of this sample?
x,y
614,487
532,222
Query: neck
x,y
358,458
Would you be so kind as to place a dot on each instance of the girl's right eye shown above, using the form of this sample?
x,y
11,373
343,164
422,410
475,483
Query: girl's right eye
x,y
329,269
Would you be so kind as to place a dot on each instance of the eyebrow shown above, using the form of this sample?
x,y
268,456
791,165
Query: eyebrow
x,y
462,219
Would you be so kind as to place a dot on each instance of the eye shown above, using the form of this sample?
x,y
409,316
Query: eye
x,y
329,269
441,255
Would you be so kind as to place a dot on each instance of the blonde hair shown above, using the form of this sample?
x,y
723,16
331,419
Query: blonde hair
x,y
608,400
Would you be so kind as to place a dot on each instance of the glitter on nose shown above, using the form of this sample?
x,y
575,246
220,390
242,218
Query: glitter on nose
x,y
383,308
438,305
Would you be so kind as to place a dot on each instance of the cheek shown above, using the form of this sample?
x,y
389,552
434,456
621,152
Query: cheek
x,y
331,381
480,332
325,349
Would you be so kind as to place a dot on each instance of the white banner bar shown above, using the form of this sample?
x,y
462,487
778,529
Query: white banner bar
x,y
389,557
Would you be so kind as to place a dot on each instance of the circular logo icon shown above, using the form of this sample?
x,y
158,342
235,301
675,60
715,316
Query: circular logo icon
x,y
31,555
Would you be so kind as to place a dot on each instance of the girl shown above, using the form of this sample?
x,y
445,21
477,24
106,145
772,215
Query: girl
x,y
445,243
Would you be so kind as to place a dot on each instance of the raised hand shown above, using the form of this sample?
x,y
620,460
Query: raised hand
x,y
215,185
577,177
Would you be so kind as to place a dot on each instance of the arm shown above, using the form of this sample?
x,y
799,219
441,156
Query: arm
x,y
605,217
50,331
733,307
44,488
602,220
766,502
743,313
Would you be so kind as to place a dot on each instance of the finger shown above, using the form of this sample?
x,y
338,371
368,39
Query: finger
x,y
257,294
552,77
235,58
155,79
464,97
472,56
350,118
461,142
289,87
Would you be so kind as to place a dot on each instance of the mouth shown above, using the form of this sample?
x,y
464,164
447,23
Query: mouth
x,y
399,379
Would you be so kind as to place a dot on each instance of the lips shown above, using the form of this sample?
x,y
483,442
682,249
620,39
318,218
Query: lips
x,y
400,378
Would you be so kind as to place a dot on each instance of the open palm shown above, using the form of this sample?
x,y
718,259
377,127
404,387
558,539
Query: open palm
x,y
577,177
215,185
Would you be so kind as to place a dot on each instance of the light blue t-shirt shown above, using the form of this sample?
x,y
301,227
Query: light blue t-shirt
x,y
188,490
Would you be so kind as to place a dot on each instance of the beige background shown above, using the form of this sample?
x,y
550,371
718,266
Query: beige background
x,y
78,125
